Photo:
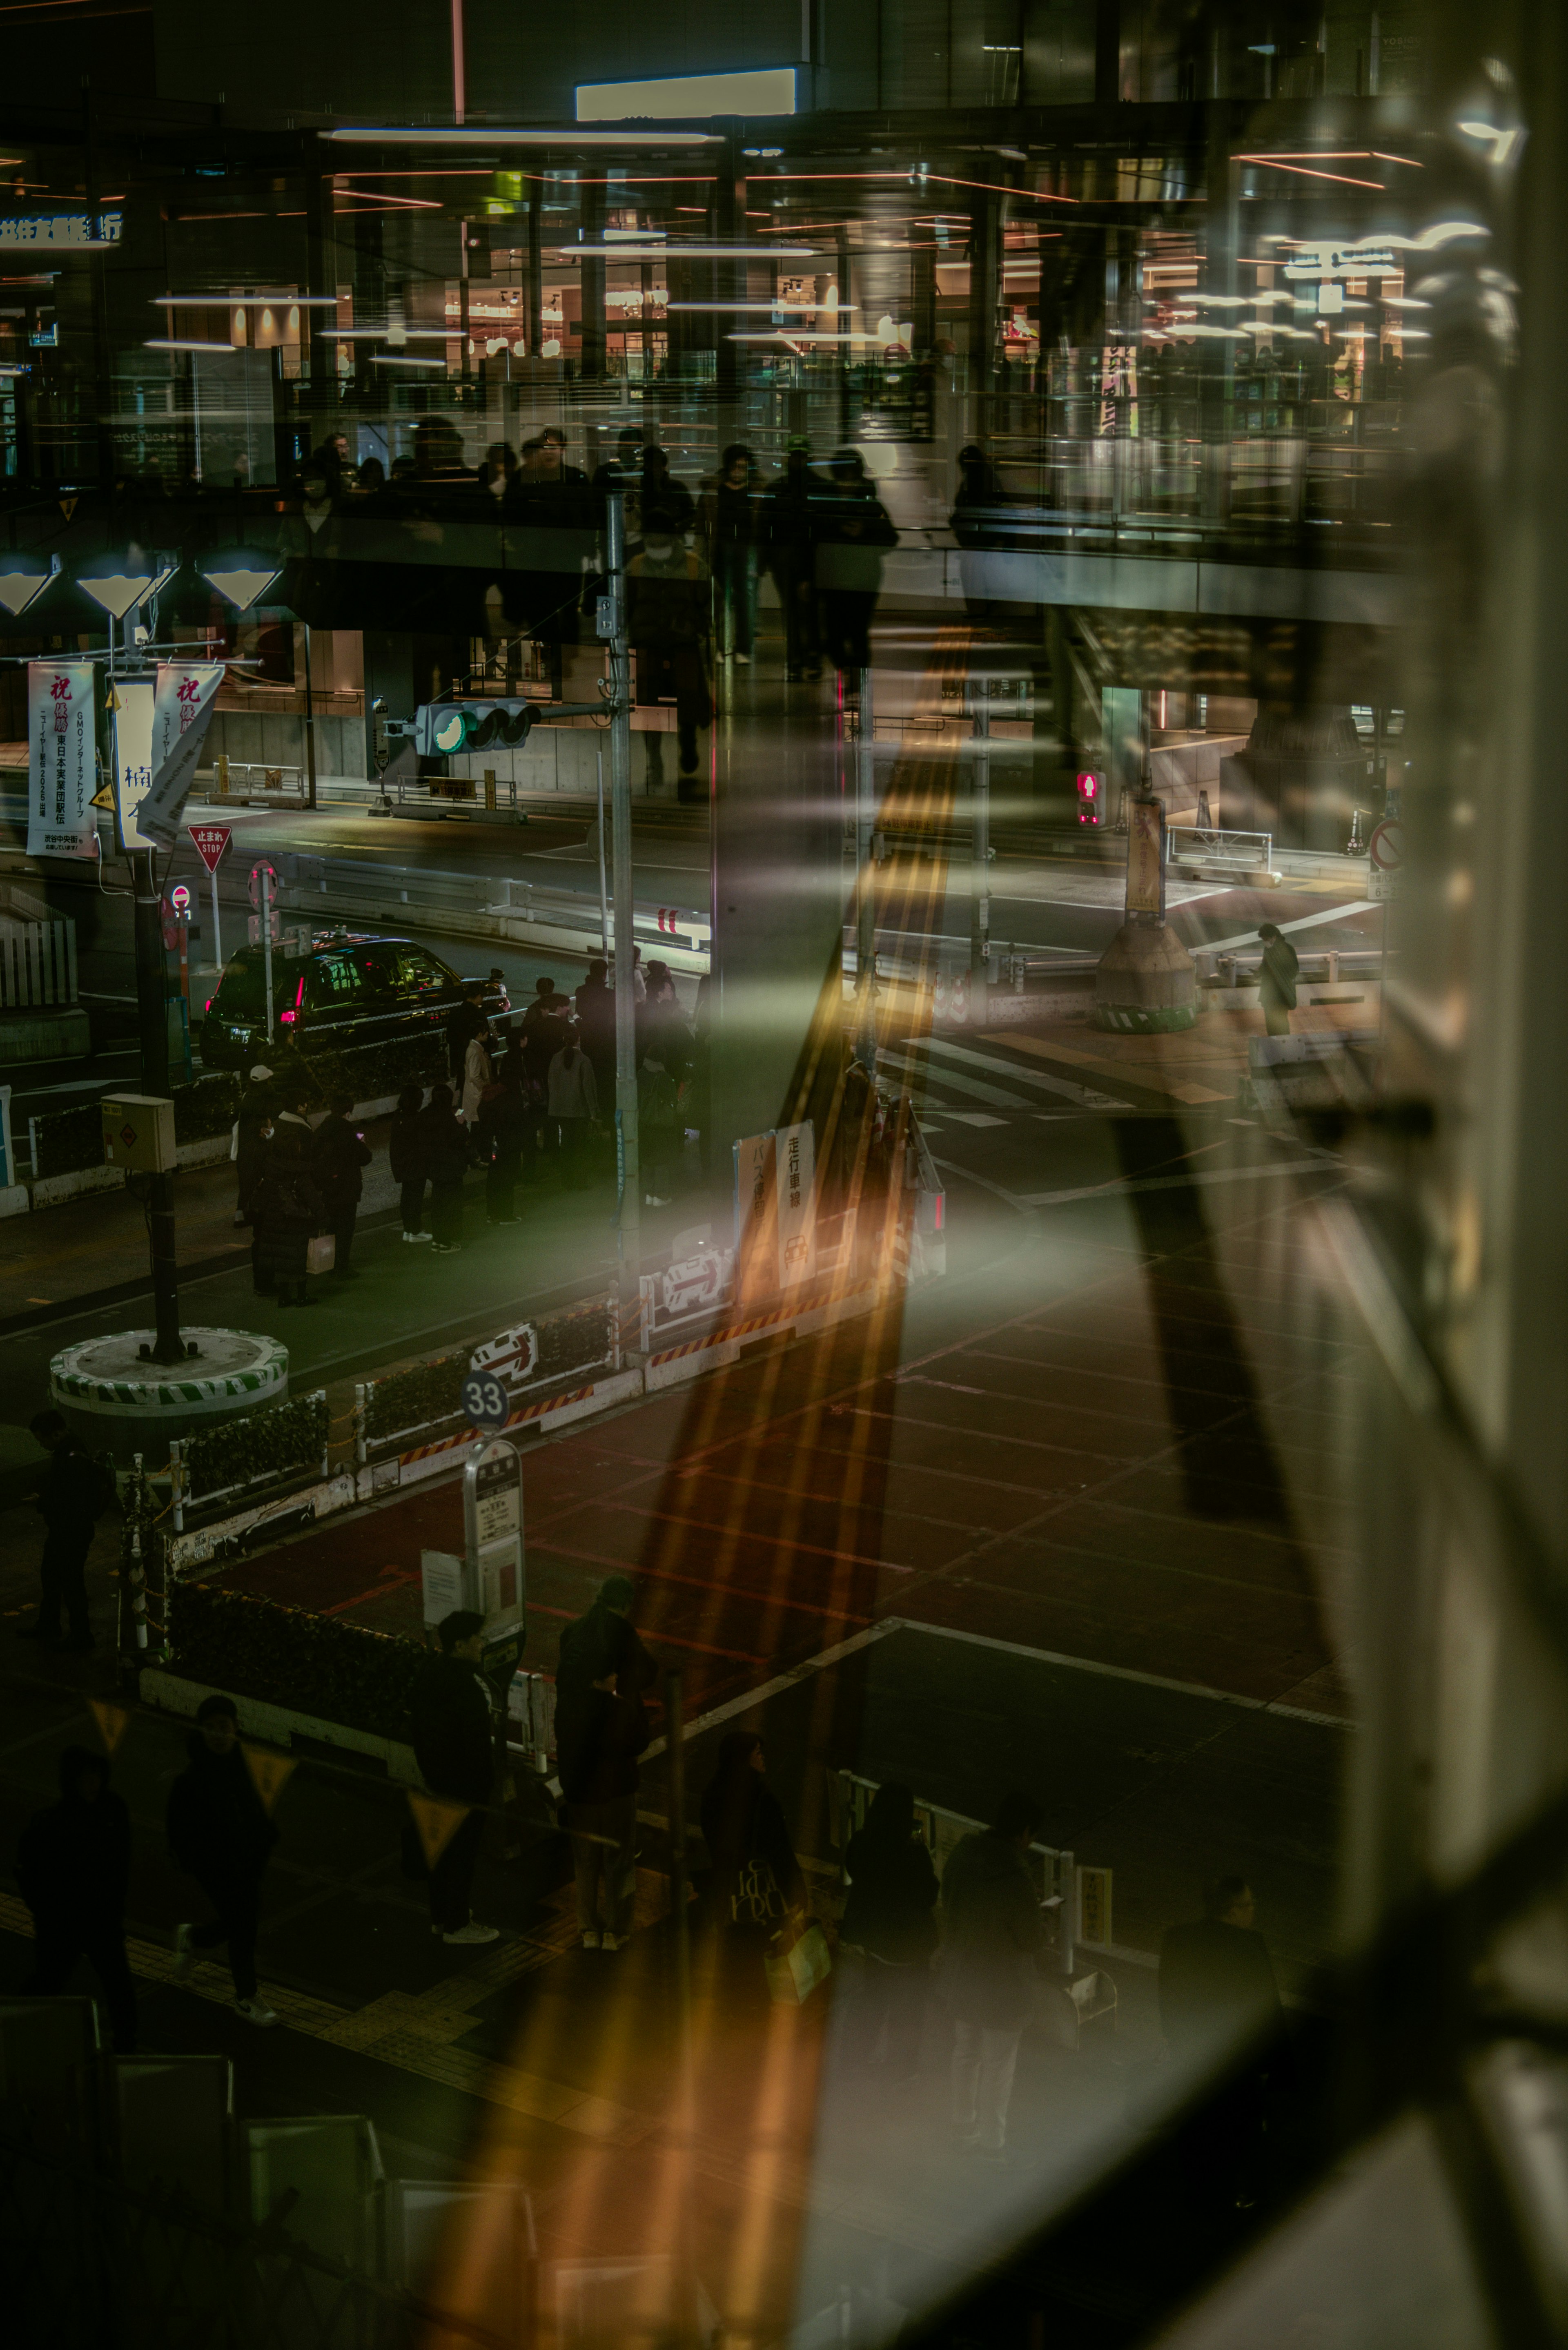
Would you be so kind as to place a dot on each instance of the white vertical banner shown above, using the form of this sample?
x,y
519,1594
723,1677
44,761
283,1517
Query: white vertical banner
x,y
756,1260
62,778
133,757
795,1148
181,707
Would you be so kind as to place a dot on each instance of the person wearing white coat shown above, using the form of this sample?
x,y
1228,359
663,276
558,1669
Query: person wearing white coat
x,y
574,1102
475,1076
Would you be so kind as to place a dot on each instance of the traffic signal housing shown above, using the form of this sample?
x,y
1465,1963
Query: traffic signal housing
x,y
1091,796
442,730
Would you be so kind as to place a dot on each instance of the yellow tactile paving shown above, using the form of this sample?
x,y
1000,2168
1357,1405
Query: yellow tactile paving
x,y
408,2030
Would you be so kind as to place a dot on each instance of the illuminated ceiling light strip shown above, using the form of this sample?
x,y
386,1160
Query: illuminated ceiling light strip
x,y
1340,179
568,136
801,335
688,253
754,90
384,358
173,343
246,301
793,303
383,333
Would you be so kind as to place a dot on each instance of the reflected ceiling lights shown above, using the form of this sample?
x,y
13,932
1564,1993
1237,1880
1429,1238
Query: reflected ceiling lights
x,y
566,136
120,591
24,579
240,577
687,251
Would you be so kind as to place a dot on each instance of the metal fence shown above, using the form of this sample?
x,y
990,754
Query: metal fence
x,y
37,964
90,2260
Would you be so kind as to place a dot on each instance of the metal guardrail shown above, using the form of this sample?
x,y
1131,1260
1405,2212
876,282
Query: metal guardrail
x,y
1186,843
399,893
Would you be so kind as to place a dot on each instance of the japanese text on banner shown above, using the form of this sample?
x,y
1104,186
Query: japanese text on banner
x,y
181,707
62,736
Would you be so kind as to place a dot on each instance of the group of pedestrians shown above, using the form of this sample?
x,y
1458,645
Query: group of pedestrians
x,y
73,1866
541,1091
975,1937
821,536
297,1184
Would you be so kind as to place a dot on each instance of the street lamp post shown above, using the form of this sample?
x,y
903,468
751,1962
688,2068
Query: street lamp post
x,y
120,593
625,916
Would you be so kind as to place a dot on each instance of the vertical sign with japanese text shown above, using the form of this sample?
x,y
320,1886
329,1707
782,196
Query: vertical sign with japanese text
x,y
757,1225
796,1166
181,710
62,736
132,758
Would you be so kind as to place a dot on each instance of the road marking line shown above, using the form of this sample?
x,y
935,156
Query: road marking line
x,y
1125,1673
1302,922
1120,1186
996,1095
1085,1096
1130,1074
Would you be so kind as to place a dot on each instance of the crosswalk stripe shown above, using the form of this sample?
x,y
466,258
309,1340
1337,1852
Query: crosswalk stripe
x,y
1087,1095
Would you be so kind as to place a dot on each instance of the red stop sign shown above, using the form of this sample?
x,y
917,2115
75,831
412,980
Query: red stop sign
x,y
210,840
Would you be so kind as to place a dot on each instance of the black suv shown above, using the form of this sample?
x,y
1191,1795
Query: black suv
x,y
347,990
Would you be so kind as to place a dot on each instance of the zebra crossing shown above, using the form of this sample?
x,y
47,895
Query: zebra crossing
x,y
949,1082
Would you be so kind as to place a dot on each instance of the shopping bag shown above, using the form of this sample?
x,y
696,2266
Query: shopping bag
x,y
756,1899
321,1255
794,1971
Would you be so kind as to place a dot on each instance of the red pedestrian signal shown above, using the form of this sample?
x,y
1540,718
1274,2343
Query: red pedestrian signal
x,y
1091,798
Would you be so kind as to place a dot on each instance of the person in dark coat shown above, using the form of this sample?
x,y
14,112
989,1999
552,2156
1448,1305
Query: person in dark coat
x,y
501,1129
598,1748
1277,979
288,1208
257,1104
726,520
855,531
73,1866
992,1929
454,1746
605,1630
595,1001
890,1915
405,1154
220,1833
668,612
543,1032
340,1155
1217,1986
442,1145
74,1494
789,516
1218,1995
756,1879
464,1023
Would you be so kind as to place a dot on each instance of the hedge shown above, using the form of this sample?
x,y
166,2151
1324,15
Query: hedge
x,y
572,1338
279,1438
419,1397
66,1140
251,1647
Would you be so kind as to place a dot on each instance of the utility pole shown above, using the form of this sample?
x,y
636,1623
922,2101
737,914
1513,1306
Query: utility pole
x,y
624,917
865,878
979,849
309,722
152,1027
